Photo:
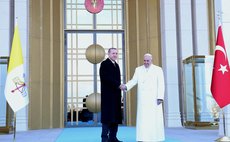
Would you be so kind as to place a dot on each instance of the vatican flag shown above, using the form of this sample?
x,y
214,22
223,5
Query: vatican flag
x,y
15,87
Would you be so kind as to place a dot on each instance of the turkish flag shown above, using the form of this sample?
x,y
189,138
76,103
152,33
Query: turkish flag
x,y
220,86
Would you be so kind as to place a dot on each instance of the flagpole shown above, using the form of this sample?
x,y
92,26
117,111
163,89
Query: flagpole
x,y
224,138
17,99
14,126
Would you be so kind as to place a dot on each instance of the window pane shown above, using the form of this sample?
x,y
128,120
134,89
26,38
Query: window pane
x,y
85,67
84,17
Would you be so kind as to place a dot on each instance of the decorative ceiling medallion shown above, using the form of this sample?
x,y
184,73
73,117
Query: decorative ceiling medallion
x,y
94,6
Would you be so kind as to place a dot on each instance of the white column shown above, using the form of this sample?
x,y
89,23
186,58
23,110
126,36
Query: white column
x,y
21,12
169,51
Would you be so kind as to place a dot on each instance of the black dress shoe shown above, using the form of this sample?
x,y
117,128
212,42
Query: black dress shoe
x,y
105,141
114,140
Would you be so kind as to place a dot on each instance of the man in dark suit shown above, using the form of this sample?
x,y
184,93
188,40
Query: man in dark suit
x,y
111,114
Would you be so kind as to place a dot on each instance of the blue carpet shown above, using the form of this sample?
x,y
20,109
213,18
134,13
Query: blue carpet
x,y
92,134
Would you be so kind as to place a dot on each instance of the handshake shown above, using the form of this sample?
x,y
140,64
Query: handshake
x,y
123,87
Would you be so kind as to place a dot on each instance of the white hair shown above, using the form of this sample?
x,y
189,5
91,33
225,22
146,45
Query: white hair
x,y
148,54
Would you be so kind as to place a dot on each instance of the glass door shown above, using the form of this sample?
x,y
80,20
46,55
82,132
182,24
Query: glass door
x,y
82,77
83,29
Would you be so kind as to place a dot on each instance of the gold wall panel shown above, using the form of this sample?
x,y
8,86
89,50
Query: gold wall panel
x,y
46,64
211,22
142,36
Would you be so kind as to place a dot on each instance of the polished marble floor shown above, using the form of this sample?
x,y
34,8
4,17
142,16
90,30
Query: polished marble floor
x,y
92,134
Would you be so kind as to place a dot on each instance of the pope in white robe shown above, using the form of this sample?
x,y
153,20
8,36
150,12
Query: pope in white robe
x,y
150,95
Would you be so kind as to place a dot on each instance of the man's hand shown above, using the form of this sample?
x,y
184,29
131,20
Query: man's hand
x,y
123,87
159,101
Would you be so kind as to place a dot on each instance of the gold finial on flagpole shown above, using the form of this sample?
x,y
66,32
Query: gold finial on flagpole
x,y
219,13
219,16
16,21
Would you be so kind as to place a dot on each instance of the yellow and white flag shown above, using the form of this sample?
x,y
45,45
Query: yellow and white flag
x,y
15,88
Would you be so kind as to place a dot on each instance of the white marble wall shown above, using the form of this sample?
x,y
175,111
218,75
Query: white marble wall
x,y
185,29
4,42
202,33
21,12
193,22
182,36
4,27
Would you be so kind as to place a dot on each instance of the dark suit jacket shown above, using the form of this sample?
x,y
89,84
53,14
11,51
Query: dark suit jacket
x,y
110,92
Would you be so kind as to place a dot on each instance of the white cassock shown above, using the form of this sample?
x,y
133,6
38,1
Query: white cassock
x,y
149,122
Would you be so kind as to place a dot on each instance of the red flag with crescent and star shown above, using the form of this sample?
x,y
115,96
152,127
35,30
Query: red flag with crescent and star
x,y
221,74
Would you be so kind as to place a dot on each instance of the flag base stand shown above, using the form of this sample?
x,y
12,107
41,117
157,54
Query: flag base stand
x,y
223,139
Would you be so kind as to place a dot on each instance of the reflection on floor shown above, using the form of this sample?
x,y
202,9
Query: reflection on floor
x,y
92,134
75,124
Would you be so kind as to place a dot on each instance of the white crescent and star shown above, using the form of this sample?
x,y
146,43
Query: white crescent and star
x,y
220,48
223,68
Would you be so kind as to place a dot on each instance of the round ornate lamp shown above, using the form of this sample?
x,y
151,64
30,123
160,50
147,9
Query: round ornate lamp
x,y
95,53
93,102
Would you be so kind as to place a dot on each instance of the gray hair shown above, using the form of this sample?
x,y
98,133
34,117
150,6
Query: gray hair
x,y
112,48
